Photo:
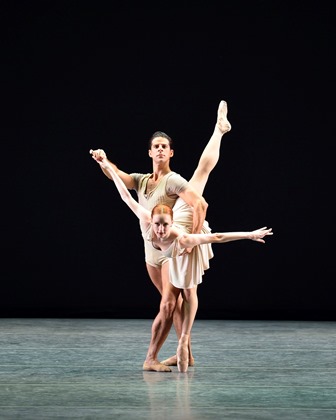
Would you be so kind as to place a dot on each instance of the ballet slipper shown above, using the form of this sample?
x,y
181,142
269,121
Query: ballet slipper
x,y
172,361
155,367
222,121
182,355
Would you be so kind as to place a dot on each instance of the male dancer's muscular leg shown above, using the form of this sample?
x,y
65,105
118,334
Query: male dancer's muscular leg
x,y
161,327
158,275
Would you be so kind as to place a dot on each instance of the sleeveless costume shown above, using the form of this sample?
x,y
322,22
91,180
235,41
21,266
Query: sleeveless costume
x,y
185,271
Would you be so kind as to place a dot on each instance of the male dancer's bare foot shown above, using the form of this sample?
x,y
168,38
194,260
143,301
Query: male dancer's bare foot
x,y
155,366
222,121
182,353
172,361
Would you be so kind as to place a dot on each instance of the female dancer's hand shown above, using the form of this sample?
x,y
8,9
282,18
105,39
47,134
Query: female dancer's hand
x,y
98,155
185,251
258,234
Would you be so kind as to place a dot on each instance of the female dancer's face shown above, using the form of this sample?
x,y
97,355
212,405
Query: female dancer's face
x,y
161,224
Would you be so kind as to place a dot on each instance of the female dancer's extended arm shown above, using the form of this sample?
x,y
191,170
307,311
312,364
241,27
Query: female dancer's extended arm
x,y
193,239
143,214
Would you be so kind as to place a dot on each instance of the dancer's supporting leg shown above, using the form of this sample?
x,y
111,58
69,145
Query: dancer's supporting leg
x,y
189,307
160,275
161,326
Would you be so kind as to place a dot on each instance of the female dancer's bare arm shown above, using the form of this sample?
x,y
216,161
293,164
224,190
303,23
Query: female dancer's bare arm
x,y
192,239
143,214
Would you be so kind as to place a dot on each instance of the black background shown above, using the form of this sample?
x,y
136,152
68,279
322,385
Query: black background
x,y
80,75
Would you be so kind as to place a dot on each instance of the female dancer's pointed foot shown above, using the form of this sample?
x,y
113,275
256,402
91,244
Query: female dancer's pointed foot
x,y
222,121
182,355
172,361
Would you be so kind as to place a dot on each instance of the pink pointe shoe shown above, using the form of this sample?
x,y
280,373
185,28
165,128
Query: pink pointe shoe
x,y
182,354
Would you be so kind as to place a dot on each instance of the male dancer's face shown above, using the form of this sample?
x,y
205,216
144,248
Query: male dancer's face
x,y
160,150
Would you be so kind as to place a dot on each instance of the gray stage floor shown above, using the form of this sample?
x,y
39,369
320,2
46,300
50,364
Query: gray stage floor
x,y
92,369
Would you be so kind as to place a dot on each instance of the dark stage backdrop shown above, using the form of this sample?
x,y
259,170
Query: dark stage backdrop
x,y
86,75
